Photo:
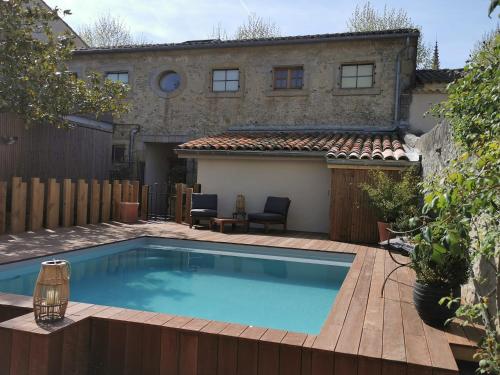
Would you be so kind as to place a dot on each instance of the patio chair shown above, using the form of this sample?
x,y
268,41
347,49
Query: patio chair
x,y
275,212
398,243
203,206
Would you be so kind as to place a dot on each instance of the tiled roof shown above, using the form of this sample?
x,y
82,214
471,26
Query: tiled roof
x,y
334,145
217,43
437,76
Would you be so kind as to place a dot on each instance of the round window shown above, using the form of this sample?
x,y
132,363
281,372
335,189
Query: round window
x,y
169,82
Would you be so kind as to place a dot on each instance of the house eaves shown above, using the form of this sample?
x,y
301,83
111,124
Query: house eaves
x,y
287,40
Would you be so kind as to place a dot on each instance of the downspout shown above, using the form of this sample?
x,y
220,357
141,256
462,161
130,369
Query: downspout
x,y
398,82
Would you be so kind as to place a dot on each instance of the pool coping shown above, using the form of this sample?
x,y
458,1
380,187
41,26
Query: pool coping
x,y
346,344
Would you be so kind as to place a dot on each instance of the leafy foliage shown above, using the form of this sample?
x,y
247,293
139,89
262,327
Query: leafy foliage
x,y
255,27
395,199
108,31
367,18
36,83
464,201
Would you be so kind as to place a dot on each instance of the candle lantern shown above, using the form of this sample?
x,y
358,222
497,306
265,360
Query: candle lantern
x,y
240,206
51,294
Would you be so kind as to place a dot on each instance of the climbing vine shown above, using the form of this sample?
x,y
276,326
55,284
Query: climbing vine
x,y
465,197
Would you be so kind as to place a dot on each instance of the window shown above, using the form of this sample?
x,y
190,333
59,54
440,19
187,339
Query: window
x,y
118,153
117,76
224,80
170,81
357,76
288,78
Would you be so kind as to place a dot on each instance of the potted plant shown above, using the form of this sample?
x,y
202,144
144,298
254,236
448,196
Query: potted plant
x,y
394,199
442,264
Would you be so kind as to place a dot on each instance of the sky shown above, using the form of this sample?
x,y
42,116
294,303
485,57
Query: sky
x,y
456,24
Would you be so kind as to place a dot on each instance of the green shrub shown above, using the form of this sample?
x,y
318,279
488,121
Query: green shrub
x,y
394,198
441,255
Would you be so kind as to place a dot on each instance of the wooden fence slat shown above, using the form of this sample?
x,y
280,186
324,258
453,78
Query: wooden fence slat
x,y
53,198
189,192
144,202
106,201
117,198
95,195
125,190
179,192
36,204
66,203
18,205
136,188
3,206
81,202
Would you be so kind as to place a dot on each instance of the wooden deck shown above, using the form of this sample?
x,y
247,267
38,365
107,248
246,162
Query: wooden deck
x,y
364,333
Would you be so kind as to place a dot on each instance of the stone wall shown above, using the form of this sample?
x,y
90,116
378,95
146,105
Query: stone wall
x,y
437,148
194,110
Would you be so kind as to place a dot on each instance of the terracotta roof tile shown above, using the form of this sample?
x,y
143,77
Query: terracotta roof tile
x,y
335,145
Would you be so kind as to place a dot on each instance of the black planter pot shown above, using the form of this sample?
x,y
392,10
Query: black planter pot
x,y
426,299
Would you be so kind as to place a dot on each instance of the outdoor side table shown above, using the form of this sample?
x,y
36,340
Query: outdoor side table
x,y
221,221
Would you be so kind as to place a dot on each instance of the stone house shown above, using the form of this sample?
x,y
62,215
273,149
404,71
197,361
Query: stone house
x,y
272,114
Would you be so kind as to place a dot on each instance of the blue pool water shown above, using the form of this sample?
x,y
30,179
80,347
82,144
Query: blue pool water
x,y
269,287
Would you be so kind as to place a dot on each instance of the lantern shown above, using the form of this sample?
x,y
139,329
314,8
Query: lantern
x,y
240,206
51,294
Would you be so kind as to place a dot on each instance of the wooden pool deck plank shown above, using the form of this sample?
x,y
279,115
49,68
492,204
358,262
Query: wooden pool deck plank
x,y
364,333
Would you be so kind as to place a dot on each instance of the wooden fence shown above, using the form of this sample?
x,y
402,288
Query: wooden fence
x,y
183,201
51,204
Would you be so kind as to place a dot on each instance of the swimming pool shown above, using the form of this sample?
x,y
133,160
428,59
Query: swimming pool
x,y
253,285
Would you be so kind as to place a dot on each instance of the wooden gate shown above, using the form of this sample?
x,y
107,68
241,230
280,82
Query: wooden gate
x,y
351,217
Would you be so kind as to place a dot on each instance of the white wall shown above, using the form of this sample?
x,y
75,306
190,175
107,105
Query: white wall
x,y
305,182
420,104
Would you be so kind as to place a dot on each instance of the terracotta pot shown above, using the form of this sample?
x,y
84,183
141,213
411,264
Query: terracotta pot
x,y
129,212
383,234
426,299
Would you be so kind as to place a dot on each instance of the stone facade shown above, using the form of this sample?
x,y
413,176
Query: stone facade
x,y
437,149
194,110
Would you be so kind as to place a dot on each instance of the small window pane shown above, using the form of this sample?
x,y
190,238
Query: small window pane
x,y
170,81
123,77
349,82
280,84
365,81
296,83
219,75
297,73
232,86
349,71
112,76
233,75
219,86
365,70
281,74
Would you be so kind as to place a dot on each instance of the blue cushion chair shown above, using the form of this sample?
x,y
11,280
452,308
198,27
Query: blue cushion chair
x,y
275,212
203,206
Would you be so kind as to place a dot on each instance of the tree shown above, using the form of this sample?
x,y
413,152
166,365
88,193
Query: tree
x,y
108,31
36,83
467,193
255,27
367,18
486,41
